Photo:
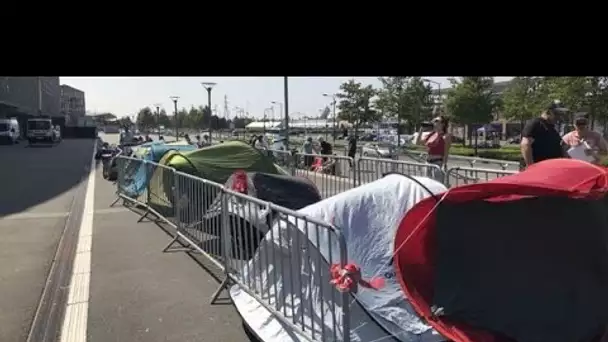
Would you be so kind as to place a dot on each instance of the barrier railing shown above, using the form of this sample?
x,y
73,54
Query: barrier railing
x,y
371,169
267,251
331,173
467,175
256,244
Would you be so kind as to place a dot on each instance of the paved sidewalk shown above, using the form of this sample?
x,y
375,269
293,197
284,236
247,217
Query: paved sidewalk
x,y
139,293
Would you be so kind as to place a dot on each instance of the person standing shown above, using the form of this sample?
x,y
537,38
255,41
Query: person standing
x,y
438,143
324,147
595,145
352,148
540,139
307,149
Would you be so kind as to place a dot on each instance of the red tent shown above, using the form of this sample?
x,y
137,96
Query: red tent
x,y
416,238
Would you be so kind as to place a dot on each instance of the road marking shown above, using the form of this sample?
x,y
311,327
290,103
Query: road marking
x,y
77,311
34,216
115,210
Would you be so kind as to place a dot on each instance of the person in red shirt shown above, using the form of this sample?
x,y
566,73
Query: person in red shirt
x,y
438,144
595,144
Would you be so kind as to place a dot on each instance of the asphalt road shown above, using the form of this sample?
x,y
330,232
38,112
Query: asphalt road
x,y
135,292
38,187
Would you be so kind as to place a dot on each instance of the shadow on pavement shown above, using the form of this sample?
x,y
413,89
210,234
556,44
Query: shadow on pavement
x,y
33,176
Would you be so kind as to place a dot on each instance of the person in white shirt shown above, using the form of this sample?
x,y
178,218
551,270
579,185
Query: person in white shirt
x,y
594,145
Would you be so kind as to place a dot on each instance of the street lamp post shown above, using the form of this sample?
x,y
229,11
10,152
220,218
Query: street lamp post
x,y
208,86
438,89
333,102
280,104
174,99
157,117
286,103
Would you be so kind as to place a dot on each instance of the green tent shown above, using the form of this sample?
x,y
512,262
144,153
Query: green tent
x,y
215,163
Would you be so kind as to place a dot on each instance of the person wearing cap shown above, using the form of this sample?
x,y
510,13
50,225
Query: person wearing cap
x,y
540,140
593,142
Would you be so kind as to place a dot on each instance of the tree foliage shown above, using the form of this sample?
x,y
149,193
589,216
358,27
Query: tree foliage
x,y
472,100
194,118
356,104
526,97
407,99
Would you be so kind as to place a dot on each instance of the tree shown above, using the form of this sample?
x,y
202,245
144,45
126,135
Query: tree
x,y
242,122
163,120
355,104
145,118
524,98
407,99
325,113
125,121
472,100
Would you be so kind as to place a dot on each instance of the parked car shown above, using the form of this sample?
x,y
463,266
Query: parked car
x,y
9,131
514,140
369,137
376,150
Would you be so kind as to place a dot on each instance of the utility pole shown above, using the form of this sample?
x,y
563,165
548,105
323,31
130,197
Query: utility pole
x,y
39,80
174,99
333,102
286,103
226,109
208,86
158,117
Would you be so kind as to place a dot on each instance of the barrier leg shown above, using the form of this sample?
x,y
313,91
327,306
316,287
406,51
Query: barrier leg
x,y
115,201
144,215
176,244
226,248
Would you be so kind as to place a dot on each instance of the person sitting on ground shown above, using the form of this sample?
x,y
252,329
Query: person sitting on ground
x,y
259,143
595,145
160,138
199,143
188,140
540,140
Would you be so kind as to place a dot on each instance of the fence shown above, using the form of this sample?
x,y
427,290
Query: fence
x,y
334,174
467,175
265,250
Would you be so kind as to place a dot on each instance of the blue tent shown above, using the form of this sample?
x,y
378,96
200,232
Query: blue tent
x,y
137,175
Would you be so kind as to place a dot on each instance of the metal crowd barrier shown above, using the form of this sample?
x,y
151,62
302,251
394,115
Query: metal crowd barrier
x,y
332,174
371,169
341,173
467,175
254,243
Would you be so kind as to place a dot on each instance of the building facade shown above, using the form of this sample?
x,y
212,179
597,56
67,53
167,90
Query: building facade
x,y
29,96
73,104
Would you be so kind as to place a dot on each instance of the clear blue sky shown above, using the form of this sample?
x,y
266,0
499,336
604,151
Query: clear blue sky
x,y
124,96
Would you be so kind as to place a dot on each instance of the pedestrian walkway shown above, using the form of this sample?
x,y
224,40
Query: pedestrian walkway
x,y
139,293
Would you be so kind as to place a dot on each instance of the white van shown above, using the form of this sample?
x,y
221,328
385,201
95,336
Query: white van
x,y
40,130
9,131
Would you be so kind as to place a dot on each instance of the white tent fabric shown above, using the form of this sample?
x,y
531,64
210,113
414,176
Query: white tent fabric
x,y
368,216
